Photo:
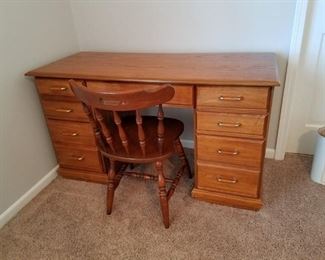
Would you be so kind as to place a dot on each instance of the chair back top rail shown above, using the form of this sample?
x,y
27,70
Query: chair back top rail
x,y
123,101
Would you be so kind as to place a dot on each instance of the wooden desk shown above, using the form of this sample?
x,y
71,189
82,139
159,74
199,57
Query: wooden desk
x,y
231,95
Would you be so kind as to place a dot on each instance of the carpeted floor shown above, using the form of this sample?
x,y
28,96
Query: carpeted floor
x,y
68,221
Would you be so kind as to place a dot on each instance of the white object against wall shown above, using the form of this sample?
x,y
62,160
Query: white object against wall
x,y
32,34
318,168
189,26
307,106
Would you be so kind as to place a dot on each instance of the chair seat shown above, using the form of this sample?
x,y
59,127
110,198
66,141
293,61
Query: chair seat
x,y
153,151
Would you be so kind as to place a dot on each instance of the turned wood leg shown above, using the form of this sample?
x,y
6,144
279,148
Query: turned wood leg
x,y
119,174
182,157
110,187
104,163
162,194
118,177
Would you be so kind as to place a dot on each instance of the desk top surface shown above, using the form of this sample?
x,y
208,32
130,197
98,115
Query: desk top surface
x,y
254,69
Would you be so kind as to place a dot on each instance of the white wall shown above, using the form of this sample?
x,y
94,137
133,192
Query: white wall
x,y
189,26
32,33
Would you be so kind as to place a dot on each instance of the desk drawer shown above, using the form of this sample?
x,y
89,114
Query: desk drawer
x,y
78,158
183,96
68,132
54,87
228,179
64,110
233,97
231,123
228,150
183,93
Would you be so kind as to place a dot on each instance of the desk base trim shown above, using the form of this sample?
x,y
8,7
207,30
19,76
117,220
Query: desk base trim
x,y
227,200
83,175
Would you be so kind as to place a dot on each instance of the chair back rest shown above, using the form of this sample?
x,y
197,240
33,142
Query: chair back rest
x,y
95,103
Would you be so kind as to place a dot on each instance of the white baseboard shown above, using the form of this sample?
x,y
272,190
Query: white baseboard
x,y
190,144
187,143
27,197
269,153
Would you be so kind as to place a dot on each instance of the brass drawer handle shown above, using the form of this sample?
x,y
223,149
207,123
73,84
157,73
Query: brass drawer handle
x,y
59,88
225,98
63,110
71,134
220,151
223,124
78,158
224,180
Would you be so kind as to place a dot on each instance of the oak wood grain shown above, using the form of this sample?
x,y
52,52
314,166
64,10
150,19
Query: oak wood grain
x,y
71,157
233,151
233,180
222,198
254,69
183,93
65,110
83,175
233,97
227,86
71,133
220,123
54,87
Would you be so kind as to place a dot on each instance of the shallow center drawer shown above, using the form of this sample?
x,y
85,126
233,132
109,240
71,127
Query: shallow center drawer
x,y
228,150
232,97
231,123
69,132
183,93
228,179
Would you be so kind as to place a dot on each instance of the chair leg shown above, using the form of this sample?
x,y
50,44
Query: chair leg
x,y
104,163
182,157
110,187
117,179
162,194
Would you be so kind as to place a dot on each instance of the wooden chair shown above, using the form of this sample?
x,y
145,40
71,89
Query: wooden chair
x,y
135,139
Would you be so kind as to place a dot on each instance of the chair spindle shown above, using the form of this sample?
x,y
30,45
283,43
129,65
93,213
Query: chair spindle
x,y
118,122
161,127
94,126
141,135
105,130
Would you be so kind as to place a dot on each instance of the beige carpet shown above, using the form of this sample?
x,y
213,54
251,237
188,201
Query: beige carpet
x,y
68,221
